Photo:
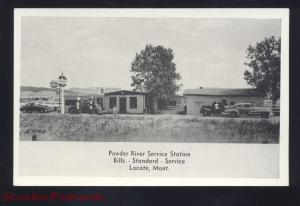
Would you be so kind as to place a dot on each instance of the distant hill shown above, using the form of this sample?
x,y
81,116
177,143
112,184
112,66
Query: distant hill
x,y
94,90
35,89
29,91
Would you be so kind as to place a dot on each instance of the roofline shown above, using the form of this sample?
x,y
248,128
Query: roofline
x,y
228,95
140,93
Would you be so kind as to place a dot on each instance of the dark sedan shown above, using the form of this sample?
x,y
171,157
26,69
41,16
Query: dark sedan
x,y
35,108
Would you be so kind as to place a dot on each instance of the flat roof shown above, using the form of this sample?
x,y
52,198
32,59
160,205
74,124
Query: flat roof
x,y
125,92
223,92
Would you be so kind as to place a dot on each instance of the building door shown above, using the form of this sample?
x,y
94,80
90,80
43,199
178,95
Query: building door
x,y
122,105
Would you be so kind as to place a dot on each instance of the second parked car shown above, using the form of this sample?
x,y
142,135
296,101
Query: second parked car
x,y
247,109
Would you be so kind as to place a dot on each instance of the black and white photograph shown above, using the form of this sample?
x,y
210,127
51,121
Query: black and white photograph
x,y
151,97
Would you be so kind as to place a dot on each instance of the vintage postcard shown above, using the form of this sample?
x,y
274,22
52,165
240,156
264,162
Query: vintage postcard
x,y
128,97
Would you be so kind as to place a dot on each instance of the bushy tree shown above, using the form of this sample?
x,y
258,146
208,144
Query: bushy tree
x,y
154,72
264,61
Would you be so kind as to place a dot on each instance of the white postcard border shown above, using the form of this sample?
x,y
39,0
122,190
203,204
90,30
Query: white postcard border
x,y
282,14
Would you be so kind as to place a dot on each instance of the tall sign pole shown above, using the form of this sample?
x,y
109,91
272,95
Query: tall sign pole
x,y
54,85
62,82
59,102
62,101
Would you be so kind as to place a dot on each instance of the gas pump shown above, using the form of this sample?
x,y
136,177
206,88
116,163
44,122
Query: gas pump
x,y
78,105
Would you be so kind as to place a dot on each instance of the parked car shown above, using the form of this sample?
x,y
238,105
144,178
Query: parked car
x,y
52,105
216,109
276,108
247,109
34,107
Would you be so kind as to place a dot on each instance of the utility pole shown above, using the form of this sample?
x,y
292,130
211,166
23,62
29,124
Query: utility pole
x,y
62,82
54,85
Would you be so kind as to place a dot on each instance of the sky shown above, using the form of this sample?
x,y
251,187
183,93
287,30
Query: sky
x,y
98,51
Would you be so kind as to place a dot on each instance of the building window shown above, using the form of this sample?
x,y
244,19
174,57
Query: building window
x,y
112,102
232,103
100,101
224,102
133,102
70,102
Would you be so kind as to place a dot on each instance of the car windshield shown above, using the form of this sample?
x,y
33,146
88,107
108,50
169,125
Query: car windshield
x,y
235,106
242,105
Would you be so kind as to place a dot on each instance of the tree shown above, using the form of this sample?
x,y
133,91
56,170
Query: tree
x,y
154,72
264,60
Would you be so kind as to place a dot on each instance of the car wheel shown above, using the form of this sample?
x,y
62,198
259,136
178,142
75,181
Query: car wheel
x,y
265,115
207,114
234,115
